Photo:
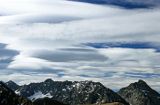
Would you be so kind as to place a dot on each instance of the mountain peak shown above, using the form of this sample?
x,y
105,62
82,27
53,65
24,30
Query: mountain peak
x,y
12,85
140,93
10,82
49,80
141,82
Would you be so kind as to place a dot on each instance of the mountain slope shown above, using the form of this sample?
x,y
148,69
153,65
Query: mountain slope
x,y
8,97
12,85
73,93
139,93
113,103
47,101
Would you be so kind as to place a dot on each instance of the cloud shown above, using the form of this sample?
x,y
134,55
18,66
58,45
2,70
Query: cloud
x,y
141,57
70,55
133,45
129,4
127,40
46,11
6,56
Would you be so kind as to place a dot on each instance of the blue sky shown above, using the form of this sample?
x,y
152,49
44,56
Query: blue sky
x,y
115,43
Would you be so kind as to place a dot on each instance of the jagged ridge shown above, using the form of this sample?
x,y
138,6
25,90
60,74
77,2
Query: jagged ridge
x,y
73,93
88,92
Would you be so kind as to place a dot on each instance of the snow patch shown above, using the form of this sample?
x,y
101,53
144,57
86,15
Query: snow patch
x,y
38,95
17,92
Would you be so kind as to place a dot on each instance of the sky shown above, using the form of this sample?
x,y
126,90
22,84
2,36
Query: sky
x,y
115,43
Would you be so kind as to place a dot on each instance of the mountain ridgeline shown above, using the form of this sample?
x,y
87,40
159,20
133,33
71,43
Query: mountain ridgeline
x,y
73,93
52,92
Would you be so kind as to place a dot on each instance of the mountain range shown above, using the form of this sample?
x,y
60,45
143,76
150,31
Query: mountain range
x,y
77,93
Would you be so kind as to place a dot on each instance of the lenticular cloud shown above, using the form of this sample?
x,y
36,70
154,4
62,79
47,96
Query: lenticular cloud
x,y
44,11
65,39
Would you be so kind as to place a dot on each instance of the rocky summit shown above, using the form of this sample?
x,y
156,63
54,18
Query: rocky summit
x,y
139,93
73,93
12,85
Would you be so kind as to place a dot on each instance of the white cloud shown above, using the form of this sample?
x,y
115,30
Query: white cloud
x,y
132,57
46,11
60,46
25,62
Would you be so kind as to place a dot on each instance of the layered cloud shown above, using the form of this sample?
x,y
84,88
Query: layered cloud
x,y
6,56
94,42
47,11
129,4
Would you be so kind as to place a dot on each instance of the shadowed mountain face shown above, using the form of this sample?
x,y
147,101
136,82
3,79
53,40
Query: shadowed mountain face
x,y
139,93
47,101
12,85
73,93
114,103
8,97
